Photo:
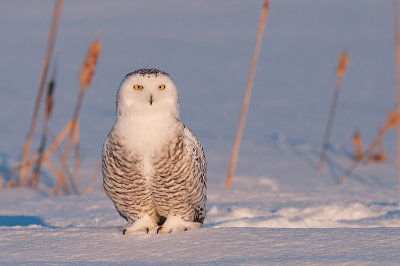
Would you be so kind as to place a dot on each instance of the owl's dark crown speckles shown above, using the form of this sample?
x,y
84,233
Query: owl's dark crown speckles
x,y
148,71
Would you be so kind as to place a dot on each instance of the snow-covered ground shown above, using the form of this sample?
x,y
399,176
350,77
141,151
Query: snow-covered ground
x,y
252,246
280,209
254,223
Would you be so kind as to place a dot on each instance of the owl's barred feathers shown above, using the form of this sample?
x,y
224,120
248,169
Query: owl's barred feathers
x,y
154,167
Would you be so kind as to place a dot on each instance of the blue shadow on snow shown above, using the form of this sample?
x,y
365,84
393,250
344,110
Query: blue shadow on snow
x,y
20,220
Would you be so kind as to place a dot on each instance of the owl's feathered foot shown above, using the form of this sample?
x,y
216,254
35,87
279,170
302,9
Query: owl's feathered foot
x,y
176,224
144,225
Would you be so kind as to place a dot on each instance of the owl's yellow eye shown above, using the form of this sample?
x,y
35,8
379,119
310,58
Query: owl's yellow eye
x,y
161,87
138,87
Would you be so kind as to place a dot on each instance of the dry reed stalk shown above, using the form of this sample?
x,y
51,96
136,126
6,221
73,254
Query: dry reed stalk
x,y
46,62
49,152
397,67
247,96
67,173
49,107
77,160
58,140
380,156
357,140
60,179
1,182
85,79
10,184
340,72
64,157
393,121
94,178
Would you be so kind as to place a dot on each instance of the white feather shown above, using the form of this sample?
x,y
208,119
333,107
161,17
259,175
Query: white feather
x,y
170,179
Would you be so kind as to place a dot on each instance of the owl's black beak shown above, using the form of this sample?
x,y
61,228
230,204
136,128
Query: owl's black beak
x,y
151,99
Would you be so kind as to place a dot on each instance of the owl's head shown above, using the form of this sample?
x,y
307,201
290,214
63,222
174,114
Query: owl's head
x,y
147,91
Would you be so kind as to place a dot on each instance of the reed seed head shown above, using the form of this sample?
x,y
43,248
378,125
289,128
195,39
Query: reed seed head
x,y
393,118
88,68
357,140
49,98
343,62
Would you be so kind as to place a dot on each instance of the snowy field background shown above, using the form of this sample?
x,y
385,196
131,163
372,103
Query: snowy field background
x,y
280,208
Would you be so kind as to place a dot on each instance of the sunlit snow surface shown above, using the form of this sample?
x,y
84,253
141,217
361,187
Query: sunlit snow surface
x,y
252,246
259,226
280,209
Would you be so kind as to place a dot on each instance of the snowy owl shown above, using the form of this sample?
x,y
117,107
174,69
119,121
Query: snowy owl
x,y
154,167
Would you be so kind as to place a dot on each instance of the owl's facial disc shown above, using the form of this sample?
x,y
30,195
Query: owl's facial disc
x,y
147,93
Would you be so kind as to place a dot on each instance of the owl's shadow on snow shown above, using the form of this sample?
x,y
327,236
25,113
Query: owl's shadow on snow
x,y
21,220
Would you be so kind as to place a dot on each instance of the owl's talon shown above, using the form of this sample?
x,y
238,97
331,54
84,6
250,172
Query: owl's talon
x,y
164,230
142,225
175,224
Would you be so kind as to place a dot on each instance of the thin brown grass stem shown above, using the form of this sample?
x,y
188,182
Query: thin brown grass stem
x,y
49,151
74,136
57,141
85,79
247,96
46,62
74,125
48,111
76,154
397,67
66,171
68,144
329,124
94,178
60,179
340,72
36,172
393,121
365,157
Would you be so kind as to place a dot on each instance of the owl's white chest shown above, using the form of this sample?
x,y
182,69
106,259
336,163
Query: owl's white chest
x,y
146,135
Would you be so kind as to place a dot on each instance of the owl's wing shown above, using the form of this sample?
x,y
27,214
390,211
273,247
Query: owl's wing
x,y
198,154
198,185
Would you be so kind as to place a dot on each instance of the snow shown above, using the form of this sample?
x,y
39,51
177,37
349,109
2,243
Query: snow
x,y
280,209
253,246
260,228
